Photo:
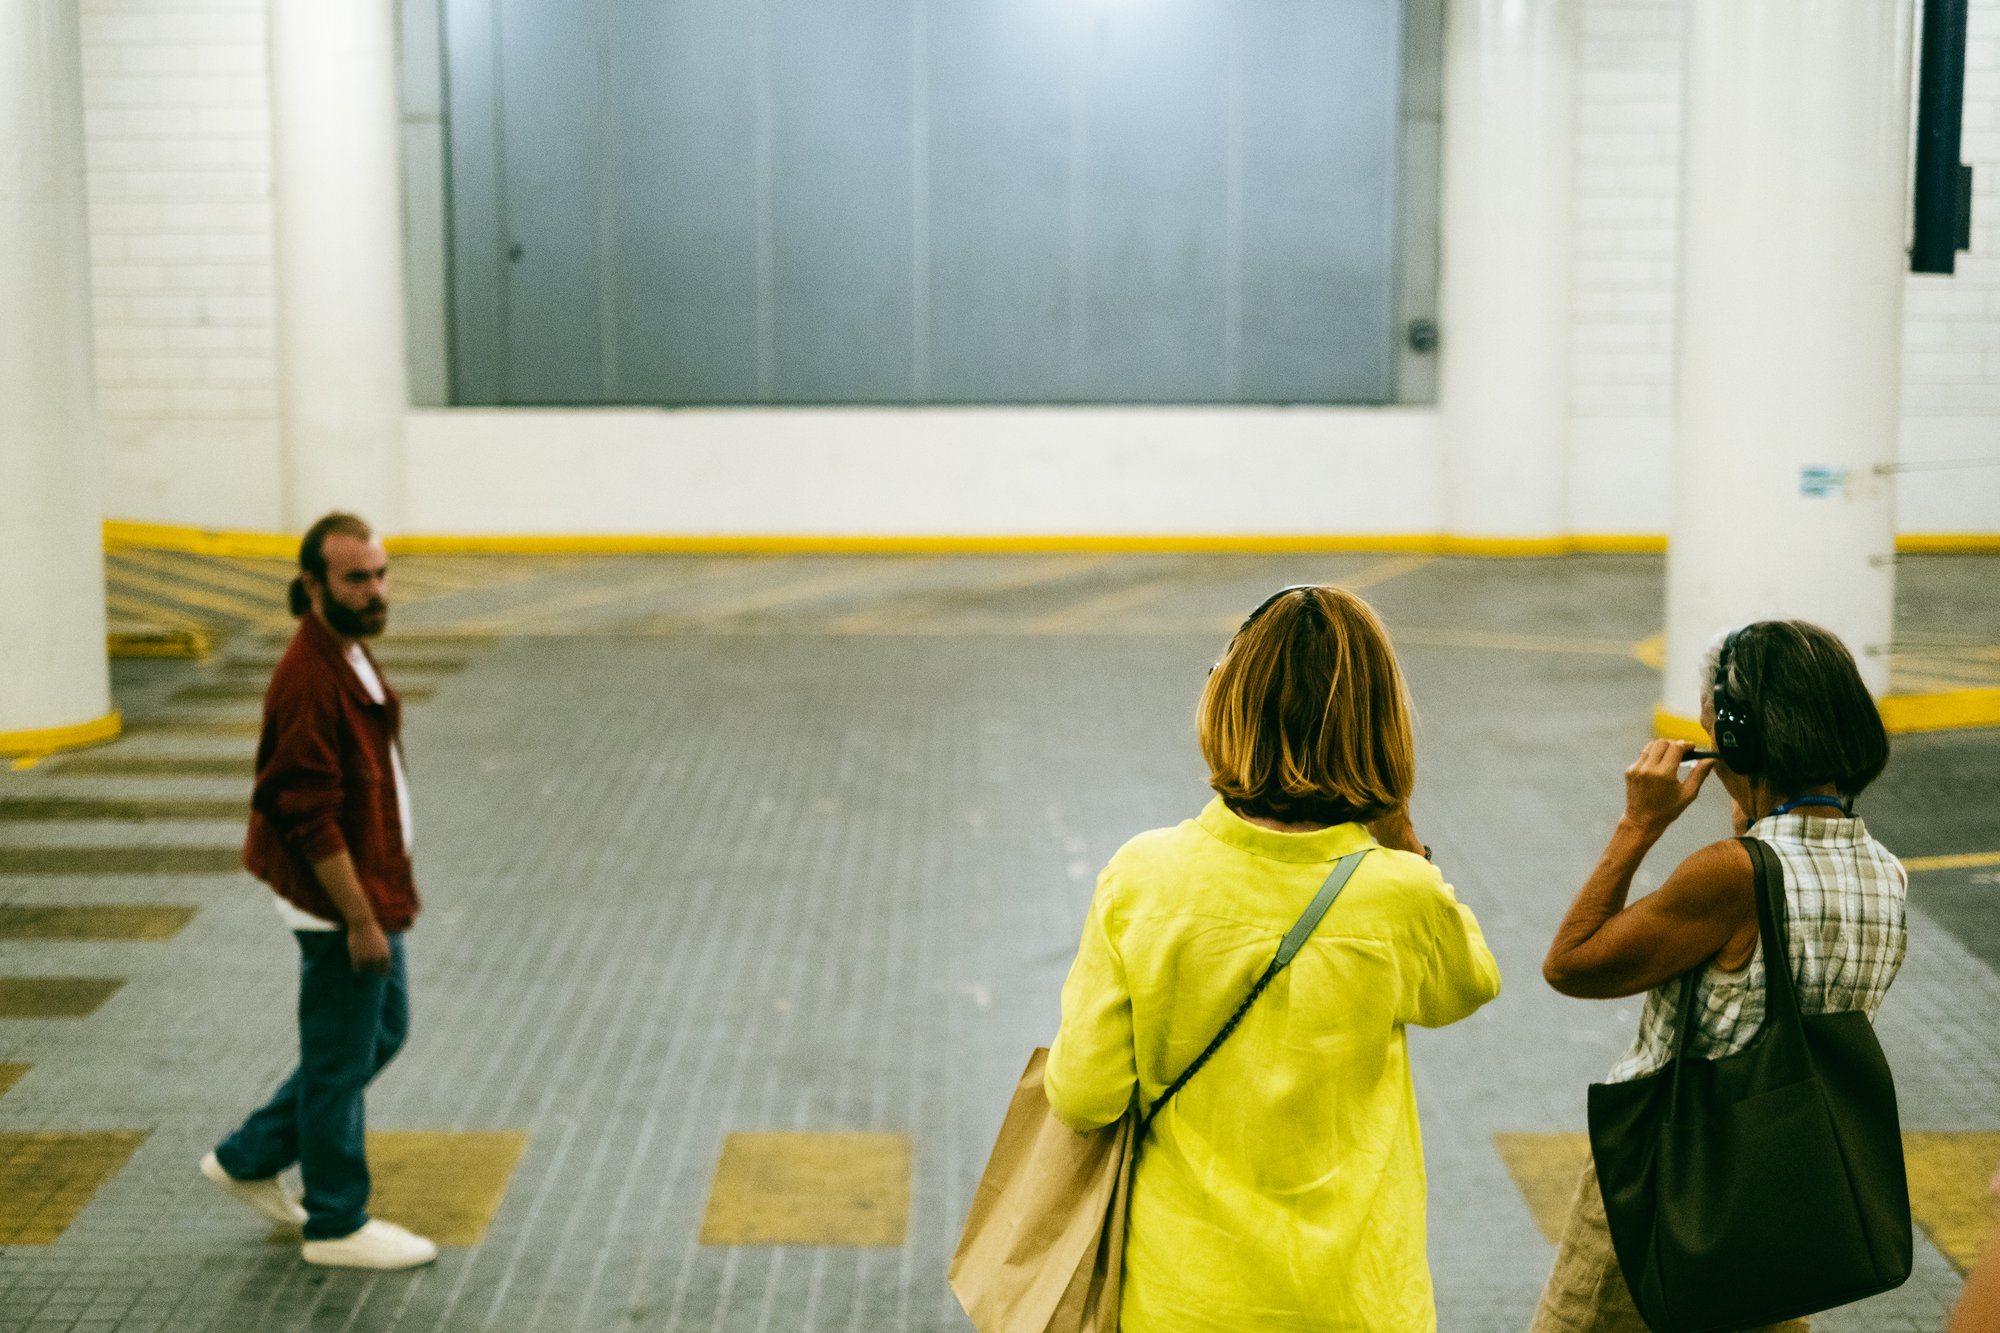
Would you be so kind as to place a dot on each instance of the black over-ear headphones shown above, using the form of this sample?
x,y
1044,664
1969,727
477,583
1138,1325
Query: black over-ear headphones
x,y
1739,742
1272,601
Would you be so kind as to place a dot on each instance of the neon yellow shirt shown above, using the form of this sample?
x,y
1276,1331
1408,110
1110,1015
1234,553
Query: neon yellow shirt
x,y
1283,1188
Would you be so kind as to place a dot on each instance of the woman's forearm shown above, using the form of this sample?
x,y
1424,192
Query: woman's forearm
x,y
1602,897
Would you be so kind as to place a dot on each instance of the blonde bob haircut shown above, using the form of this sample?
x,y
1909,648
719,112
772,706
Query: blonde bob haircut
x,y
1306,719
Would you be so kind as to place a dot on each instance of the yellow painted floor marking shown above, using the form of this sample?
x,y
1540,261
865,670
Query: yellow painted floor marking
x,y
1383,570
1503,641
652,580
1949,1195
93,922
1087,616
1653,651
47,1179
166,617
73,809
1949,1183
447,1186
1545,1168
120,860
125,640
10,1074
901,611
194,595
25,762
810,1189
267,586
772,599
260,666
1969,861
55,997
196,726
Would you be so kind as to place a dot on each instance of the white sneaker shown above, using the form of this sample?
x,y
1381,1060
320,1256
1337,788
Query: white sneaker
x,y
378,1244
268,1197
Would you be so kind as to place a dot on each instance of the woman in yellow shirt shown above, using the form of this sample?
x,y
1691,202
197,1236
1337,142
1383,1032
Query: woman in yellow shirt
x,y
1283,1188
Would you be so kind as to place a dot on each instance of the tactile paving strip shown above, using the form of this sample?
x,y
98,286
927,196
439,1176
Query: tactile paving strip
x,y
443,1185
93,922
120,860
1949,1195
159,766
810,1189
47,1179
59,809
55,997
1949,1175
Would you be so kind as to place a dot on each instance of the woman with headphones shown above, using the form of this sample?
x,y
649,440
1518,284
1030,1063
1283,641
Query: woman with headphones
x,y
1797,739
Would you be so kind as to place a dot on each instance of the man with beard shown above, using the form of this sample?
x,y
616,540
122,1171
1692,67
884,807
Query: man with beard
x,y
330,835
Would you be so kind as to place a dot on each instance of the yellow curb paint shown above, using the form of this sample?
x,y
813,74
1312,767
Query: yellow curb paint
x,y
1902,715
49,740
10,1074
1947,543
1967,861
1674,727
1653,651
1949,709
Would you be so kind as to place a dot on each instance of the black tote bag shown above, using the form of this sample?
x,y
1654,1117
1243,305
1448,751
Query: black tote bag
x,y
1764,1185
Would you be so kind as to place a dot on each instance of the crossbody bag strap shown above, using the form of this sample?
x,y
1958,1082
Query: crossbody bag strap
x,y
1288,949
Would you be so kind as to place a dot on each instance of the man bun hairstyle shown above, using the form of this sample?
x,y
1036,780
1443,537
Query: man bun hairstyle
x,y
1819,724
312,553
1306,719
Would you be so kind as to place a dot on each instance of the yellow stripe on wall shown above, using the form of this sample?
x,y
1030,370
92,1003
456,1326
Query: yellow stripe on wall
x,y
243,544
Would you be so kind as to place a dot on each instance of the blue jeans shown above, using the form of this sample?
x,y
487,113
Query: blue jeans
x,y
350,1026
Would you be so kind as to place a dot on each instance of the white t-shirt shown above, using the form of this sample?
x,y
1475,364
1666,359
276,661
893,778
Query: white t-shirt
x,y
294,917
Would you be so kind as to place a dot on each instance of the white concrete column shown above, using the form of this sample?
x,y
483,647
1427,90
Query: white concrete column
x,y
1504,316
342,377
1794,194
55,687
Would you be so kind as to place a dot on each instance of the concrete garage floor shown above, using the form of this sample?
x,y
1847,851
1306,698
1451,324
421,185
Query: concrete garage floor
x,y
733,846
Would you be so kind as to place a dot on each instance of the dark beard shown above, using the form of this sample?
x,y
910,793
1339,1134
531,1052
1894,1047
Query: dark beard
x,y
348,623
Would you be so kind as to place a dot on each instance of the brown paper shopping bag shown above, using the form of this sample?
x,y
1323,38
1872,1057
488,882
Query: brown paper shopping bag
x,y
1045,1240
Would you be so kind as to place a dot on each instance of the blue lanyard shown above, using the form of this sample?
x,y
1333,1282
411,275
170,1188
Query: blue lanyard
x,y
1798,801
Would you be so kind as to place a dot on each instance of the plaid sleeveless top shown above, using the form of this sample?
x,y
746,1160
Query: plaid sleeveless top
x,y
1845,900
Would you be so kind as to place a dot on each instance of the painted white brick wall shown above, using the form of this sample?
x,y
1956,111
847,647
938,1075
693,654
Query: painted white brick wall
x,y
1624,281
177,116
177,143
